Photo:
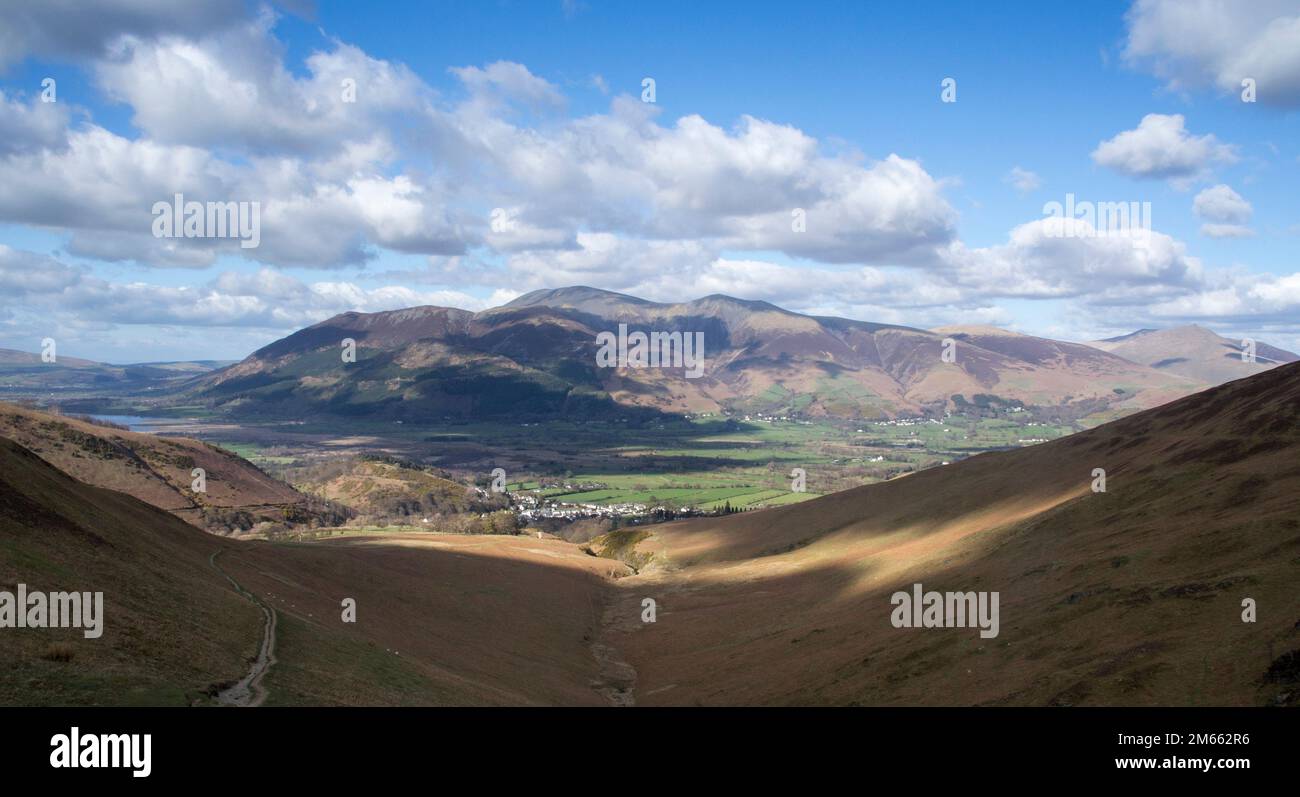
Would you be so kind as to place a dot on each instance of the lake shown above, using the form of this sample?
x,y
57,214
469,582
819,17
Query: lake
x,y
137,423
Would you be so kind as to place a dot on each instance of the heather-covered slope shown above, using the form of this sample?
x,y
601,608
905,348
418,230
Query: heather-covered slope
x,y
158,470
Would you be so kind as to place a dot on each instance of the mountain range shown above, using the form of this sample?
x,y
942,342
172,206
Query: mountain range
x,y
537,357
25,373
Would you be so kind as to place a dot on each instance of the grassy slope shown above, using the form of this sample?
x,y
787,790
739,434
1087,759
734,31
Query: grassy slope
x,y
441,619
172,626
1128,597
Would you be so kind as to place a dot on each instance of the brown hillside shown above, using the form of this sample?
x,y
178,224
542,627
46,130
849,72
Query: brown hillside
x,y
1131,597
441,619
173,628
154,469
377,487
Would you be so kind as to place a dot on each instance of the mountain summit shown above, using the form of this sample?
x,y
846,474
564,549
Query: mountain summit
x,y
1194,352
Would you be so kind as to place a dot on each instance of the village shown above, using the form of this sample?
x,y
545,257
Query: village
x,y
531,506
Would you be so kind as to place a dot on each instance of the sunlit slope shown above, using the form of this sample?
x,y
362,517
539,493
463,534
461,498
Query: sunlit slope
x,y
376,486
157,470
1132,596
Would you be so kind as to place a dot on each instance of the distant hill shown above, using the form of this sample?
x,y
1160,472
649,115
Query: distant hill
x,y
24,374
372,485
384,491
157,470
1194,352
10,357
536,357
1075,367
1132,596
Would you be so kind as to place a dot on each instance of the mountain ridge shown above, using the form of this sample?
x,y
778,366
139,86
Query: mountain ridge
x,y
535,356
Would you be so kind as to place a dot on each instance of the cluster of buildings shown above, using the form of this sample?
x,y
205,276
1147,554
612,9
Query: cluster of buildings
x,y
548,509
531,507
910,421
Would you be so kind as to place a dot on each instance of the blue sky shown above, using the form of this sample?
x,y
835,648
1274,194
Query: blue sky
x,y
914,212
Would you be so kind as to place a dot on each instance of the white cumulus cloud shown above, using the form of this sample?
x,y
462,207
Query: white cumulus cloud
x,y
1162,148
1225,213
1219,44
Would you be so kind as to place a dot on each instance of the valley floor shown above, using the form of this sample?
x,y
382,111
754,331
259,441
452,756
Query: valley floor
x,y
441,619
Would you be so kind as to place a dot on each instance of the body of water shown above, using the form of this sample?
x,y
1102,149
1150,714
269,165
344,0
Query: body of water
x,y
136,423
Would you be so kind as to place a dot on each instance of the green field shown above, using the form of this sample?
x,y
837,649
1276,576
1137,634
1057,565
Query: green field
x,y
254,453
750,466
705,498
704,463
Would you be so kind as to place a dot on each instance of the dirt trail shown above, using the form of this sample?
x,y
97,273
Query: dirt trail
x,y
617,679
248,691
